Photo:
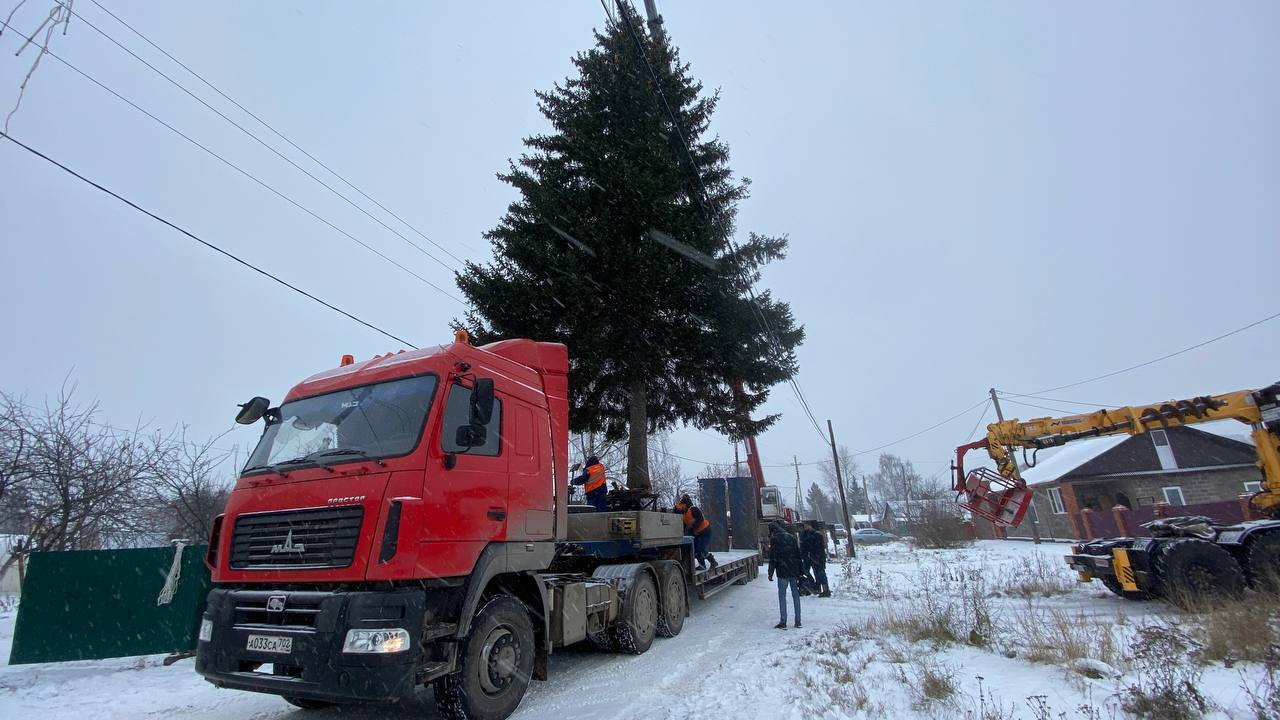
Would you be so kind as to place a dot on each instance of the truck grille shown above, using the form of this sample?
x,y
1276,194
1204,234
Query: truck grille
x,y
320,538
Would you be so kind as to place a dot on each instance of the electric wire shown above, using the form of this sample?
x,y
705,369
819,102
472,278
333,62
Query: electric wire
x,y
1161,358
981,417
200,240
263,143
276,132
237,168
1057,400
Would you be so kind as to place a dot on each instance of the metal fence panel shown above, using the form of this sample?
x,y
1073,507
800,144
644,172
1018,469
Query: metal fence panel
x,y
91,604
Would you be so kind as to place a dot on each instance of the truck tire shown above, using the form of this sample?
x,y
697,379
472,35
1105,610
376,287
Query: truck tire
x,y
1114,586
496,664
1262,563
637,624
675,602
1191,572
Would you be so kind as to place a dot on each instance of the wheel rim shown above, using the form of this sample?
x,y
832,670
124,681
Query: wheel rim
x,y
675,599
646,610
499,660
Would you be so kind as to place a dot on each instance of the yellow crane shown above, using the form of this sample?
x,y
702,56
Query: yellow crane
x,y
1184,560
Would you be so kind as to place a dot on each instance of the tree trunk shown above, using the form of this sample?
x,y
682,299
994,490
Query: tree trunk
x,y
637,439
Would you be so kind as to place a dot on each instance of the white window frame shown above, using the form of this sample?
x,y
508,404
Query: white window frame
x,y
1055,500
1182,499
1253,486
1032,514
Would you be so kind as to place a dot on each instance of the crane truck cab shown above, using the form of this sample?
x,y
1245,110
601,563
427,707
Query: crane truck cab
x,y
403,521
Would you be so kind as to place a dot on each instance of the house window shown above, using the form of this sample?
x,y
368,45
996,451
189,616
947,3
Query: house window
x,y
1055,499
1173,495
1253,487
1032,515
1164,451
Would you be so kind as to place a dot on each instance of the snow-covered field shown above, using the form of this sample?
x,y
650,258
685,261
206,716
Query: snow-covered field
x,y
990,619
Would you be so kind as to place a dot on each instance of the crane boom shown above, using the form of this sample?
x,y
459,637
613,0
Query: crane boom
x,y
1002,496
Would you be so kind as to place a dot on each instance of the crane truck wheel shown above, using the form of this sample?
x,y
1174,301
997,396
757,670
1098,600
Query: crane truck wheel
x,y
496,663
1114,586
674,602
1192,571
1262,563
637,624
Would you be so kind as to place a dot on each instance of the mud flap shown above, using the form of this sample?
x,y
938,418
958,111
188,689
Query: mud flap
x,y
1124,569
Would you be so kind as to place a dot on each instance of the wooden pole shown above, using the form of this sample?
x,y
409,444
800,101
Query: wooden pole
x,y
844,506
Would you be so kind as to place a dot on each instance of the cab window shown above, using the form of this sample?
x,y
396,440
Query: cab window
x,y
457,410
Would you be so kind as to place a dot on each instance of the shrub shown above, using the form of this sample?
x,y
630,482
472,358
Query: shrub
x,y
1168,685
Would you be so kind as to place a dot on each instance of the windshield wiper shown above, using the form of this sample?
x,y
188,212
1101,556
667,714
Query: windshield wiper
x,y
353,451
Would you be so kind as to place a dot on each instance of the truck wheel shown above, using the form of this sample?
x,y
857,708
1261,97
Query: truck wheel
x,y
1191,572
1262,563
674,603
638,622
496,664
1114,586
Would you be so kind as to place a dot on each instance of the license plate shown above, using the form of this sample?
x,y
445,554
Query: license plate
x,y
270,643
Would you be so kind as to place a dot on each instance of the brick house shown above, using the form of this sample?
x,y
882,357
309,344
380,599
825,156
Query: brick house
x,y
1108,486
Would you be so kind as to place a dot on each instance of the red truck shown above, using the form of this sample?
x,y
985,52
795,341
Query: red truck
x,y
405,521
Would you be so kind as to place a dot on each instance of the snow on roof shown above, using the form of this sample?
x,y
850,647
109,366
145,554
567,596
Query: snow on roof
x,y
1068,458
1232,429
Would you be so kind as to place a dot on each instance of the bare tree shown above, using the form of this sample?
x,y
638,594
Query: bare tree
x,y
189,487
666,476
855,492
14,441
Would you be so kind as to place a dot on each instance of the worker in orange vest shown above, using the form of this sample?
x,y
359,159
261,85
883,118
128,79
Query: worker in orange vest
x,y
594,484
700,528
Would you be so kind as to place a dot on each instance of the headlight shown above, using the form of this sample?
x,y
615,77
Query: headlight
x,y
383,640
206,630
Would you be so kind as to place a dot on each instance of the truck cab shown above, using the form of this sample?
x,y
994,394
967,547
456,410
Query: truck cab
x,y
379,495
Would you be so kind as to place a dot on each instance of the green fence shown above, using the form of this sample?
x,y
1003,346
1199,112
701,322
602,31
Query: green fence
x,y
92,604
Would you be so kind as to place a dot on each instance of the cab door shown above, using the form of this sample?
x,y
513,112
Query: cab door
x,y
465,506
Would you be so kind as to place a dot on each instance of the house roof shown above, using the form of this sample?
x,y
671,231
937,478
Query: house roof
x,y
1192,448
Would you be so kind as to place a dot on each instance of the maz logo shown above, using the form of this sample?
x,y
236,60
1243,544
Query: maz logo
x,y
288,547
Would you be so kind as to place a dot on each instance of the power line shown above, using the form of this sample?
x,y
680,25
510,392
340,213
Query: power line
x,y
1040,407
205,243
278,134
921,432
703,199
1057,400
260,141
238,169
977,424
1162,357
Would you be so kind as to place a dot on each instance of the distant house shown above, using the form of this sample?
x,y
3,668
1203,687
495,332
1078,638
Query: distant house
x,y
897,516
1190,471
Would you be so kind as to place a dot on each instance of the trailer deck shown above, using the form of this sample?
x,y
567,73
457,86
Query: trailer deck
x,y
734,567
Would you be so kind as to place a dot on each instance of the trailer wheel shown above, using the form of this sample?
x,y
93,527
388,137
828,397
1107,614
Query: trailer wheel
x,y
496,664
638,622
1192,571
1262,563
674,603
1114,586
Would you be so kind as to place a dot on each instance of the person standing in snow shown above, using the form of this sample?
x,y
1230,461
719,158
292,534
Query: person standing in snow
x,y
700,528
785,561
594,484
814,549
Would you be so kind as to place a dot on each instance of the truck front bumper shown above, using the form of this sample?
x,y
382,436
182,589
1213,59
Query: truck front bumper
x,y
315,624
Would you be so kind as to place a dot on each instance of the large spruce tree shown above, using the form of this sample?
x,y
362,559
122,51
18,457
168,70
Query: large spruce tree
x,y
620,246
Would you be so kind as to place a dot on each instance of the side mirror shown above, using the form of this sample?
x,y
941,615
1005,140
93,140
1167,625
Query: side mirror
x,y
481,403
469,436
252,411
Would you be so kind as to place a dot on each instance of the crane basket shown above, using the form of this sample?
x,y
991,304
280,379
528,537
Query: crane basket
x,y
995,497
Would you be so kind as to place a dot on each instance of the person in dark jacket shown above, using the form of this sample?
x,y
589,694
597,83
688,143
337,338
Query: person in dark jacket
x,y
785,562
593,482
814,549
700,528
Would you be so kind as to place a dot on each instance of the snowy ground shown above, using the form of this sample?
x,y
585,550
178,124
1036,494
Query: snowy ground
x,y
849,660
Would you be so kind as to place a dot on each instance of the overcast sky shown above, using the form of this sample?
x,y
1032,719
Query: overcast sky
x,y
1018,195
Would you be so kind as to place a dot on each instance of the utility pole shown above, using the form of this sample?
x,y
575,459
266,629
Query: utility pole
x,y
655,20
995,400
737,469
799,500
844,506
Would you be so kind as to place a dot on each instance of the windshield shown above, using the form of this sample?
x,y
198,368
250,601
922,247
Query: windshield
x,y
379,420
